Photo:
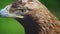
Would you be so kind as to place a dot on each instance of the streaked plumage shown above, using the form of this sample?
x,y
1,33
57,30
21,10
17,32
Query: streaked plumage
x,y
47,23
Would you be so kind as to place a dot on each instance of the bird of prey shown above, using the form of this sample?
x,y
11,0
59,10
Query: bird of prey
x,y
33,15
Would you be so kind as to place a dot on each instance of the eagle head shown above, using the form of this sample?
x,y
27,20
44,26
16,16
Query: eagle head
x,y
19,8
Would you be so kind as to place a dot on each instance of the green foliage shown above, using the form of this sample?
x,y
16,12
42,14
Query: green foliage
x,y
3,3
10,26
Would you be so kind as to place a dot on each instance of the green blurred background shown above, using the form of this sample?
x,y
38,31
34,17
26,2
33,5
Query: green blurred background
x,y
11,26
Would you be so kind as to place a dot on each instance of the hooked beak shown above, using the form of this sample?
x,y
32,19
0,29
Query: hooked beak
x,y
5,13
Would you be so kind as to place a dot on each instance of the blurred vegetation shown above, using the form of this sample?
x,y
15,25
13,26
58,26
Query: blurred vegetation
x,y
10,26
3,3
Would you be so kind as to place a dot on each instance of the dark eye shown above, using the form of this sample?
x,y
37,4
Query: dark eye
x,y
23,10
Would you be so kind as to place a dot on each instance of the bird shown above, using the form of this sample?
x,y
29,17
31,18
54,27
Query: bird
x,y
33,15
